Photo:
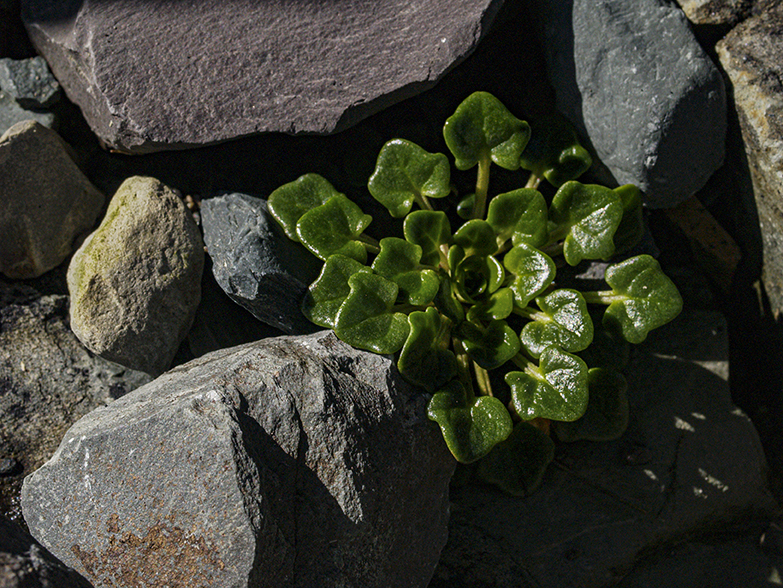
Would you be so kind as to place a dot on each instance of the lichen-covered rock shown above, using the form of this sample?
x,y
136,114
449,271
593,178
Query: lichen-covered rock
x,y
716,12
135,283
289,462
29,82
46,203
11,113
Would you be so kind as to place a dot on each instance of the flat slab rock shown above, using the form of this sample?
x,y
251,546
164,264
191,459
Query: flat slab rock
x,y
290,462
152,75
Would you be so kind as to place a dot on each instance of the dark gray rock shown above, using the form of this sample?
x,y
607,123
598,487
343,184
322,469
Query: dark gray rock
x,y
29,82
639,88
135,283
24,563
11,113
48,380
294,461
689,462
47,205
255,263
153,76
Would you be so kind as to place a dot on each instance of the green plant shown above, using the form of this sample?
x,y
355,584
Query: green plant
x,y
474,314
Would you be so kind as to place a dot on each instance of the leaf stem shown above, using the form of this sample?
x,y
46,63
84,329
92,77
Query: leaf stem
x,y
533,315
603,297
533,181
482,187
463,366
423,202
370,244
482,379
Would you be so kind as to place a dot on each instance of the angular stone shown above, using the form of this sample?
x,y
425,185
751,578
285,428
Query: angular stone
x,y
46,204
135,283
689,462
752,55
11,113
716,12
246,67
25,564
255,263
29,82
632,78
290,462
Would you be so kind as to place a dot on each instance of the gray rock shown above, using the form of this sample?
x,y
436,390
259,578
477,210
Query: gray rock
x,y
11,113
636,84
689,462
294,461
716,12
255,263
29,82
752,56
46,204
48,380
25,564
246,67
135,283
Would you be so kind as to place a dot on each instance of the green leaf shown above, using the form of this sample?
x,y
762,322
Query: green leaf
x,y
644,298
366,320
554,151
497,307
517,465
562,322
289,202
520,215
398,260
327,294
631,229
471,428
465,207
429,229
533,272
556,389
446,302
482,127
491,346
587,215
606,417
476,237
333,228
476,278
404,173
425,361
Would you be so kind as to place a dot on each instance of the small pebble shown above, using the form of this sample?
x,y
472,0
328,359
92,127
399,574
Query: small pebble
x,y
9,466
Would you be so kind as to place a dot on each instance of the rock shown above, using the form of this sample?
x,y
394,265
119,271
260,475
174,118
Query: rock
x,y
638,87
29,82
602,505
246,67
48,380
25,564
11,113
716,12
135,283
752,55
290,462
255,263
46,204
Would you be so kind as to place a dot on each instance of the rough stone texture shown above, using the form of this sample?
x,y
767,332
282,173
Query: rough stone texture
x,y
689,461
639,88
752,55
48,380
246,67
46,204
255,263
716,12
135,283
25,564
294,461
11,113
29,82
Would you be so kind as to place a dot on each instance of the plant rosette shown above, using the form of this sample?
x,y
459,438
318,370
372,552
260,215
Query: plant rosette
x,y
474,315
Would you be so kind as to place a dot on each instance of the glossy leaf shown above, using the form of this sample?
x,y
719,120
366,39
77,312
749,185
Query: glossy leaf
x,y
398,260
465,207
554,151
520,215
587,216
631,229
366,320
606,417
429,229
404,173
533,272
490,346
327,294
476,278
497,307
517,465
424,360
644,298
476,237
446,302
556,389
482,127
471,428
290,201
563,321
333,227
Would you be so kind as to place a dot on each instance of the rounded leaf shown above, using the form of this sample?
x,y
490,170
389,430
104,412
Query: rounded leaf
x,y
498,306
327,294
533,272
520,215
491,346
562,322
429,229
476,237
398,260
290,201
606,417
424,360
476,278
333,228
554,151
